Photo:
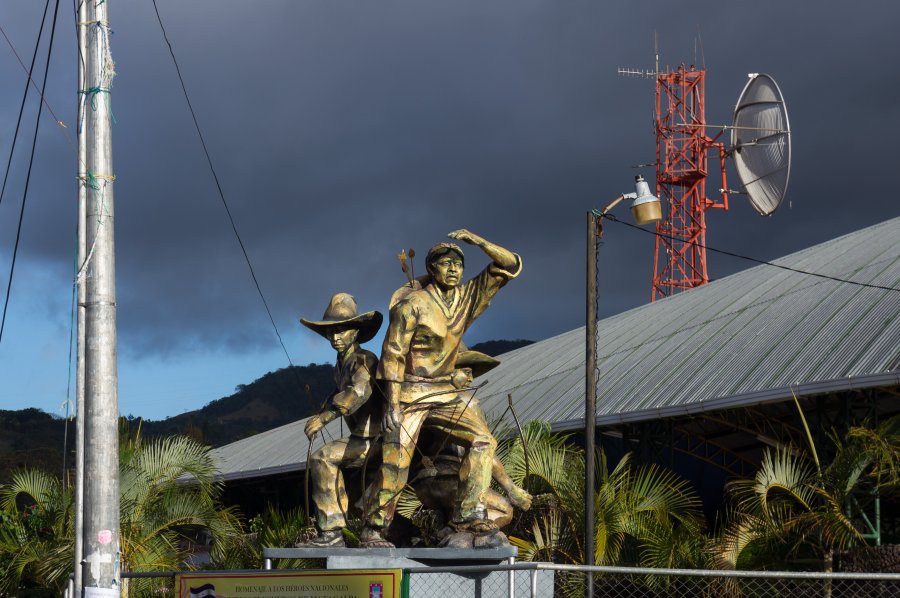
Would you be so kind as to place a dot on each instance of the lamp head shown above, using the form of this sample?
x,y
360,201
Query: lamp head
x,y
645,208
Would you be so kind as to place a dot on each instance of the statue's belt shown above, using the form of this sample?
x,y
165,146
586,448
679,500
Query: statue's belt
x,y
423,402
446,379
422,406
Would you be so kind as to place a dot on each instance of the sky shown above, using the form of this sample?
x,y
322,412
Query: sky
x,y
345,131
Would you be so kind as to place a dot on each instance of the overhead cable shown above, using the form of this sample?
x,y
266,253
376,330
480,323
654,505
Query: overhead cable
x,y
28,80
37,125
219,188
56,119
748,258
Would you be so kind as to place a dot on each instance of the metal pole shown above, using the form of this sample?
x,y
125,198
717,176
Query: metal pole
x,y
101,575
590,398
512,578
81,167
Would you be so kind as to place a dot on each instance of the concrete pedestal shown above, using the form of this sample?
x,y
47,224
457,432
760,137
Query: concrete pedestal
x,y
497,584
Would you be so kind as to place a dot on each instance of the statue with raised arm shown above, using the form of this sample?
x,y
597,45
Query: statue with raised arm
x,y
417,372
357,400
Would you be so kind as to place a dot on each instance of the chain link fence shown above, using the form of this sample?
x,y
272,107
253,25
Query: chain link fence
x,y
532,580
546,580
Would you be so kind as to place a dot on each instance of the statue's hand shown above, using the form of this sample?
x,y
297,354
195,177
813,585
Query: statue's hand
x,y
466,236
314,424
392,417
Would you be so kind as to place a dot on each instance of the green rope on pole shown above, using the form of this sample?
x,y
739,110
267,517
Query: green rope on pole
x,y
90,181
92,93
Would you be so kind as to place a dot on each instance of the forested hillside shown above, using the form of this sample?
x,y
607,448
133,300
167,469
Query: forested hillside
x,y
34,438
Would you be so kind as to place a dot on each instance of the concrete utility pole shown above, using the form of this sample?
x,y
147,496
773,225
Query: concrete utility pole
x,y
100,572
80,286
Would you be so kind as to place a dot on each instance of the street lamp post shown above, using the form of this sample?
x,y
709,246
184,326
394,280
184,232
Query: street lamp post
x,y
645,208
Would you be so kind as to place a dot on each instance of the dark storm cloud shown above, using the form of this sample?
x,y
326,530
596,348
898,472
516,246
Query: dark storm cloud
x,y
345,131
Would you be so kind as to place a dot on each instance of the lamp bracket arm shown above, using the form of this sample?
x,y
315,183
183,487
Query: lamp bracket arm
x,y
614,202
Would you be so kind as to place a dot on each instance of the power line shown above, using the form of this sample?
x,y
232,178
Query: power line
x,y
748,258
56,119
221,193
37,126
37,45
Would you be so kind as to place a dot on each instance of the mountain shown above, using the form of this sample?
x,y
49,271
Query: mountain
x,y
34,438
275,399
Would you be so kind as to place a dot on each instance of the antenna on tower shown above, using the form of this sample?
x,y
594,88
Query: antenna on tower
x,y
702,53
656,50
645,73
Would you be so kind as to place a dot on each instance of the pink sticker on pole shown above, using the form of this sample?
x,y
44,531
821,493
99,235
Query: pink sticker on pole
x,y
104,536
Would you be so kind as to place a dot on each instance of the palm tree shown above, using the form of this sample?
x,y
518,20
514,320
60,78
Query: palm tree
x,y
169,496
794,507
644,514
270,528
36,528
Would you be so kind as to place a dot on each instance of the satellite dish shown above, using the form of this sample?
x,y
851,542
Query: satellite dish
x,y
761,143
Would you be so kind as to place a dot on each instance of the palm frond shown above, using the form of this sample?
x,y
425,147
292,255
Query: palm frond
x,y
408,504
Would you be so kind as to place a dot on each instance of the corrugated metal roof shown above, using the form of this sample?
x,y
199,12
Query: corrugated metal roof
x,y
747,339
279,450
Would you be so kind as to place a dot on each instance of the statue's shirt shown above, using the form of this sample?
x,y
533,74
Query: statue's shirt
x,y
424,333
354,380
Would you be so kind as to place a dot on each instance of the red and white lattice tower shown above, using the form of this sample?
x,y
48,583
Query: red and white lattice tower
x,y
682,151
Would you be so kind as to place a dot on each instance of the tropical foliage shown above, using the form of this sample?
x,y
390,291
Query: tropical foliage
x,y
270,528
796,508
169,499
644,515
36,528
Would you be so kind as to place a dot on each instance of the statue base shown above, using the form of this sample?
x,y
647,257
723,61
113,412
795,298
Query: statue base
x,y
495,584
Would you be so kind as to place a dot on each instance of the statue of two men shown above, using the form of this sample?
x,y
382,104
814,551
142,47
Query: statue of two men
x,y
421,389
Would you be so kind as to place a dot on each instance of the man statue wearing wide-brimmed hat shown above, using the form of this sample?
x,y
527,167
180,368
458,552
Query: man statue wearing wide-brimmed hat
x,y
418,362
356,400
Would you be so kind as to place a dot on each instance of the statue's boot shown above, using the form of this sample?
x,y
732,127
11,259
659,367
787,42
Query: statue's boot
x,y
484,532
372,537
